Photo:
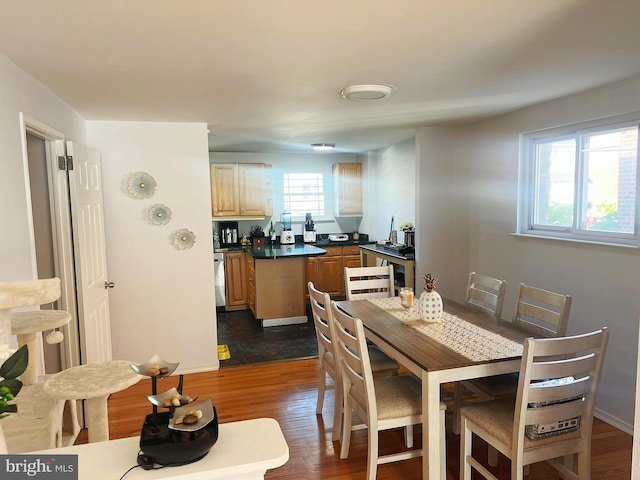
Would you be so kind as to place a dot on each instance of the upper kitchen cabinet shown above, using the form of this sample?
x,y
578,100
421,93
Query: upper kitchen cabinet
x,y
347,189
240,190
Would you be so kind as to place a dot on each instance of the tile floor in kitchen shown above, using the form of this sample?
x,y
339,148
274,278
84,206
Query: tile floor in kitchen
x,y
250,343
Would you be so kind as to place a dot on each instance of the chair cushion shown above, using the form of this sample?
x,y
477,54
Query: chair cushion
x,y
398,396
496,417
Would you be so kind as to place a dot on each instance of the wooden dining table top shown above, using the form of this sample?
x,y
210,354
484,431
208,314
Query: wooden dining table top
x,y
426,352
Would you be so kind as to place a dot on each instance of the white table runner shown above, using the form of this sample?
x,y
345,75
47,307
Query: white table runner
x,y
475,343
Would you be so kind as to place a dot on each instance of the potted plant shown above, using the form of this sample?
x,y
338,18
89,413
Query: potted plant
x,y
11,369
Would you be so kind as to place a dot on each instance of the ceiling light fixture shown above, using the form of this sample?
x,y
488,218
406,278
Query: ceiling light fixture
x,y
368,93
323,147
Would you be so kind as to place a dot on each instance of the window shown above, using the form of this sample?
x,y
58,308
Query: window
x,y
304,193
580,183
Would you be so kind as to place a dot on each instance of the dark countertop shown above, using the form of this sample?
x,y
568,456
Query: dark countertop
x,y
273,252
409,255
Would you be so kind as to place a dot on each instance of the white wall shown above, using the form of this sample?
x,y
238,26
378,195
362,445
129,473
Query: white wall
x,y
21,93
391,181
164,301
603,281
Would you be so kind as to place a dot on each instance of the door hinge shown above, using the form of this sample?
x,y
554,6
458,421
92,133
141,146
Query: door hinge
x,y
65,162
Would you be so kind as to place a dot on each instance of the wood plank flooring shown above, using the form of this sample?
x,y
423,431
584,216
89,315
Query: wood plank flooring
x,y
287,392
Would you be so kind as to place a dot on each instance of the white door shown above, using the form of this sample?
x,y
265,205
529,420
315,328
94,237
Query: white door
x,y
85,186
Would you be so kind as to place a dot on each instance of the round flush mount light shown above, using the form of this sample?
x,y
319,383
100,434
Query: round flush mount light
x,y
323,147
368,93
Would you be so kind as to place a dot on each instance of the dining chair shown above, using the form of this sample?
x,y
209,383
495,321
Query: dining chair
x,y
552,414
368,282
539,312
381,403
381,364
486,293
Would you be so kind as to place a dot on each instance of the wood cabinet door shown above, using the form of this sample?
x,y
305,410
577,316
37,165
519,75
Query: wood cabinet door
x,y
310,274
250,185
224,189
236,279
351,261
347,189
331,275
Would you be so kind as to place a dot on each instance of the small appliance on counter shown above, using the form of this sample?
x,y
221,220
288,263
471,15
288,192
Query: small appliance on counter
x,y
287,237
229,234
309,234
338,237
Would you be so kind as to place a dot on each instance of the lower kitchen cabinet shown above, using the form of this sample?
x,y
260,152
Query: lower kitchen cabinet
x,y
235,267
327,271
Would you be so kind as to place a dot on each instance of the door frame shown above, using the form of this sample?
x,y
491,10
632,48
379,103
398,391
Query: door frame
x,y
55,146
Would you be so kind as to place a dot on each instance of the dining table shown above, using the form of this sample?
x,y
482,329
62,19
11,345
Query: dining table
x,y
464,344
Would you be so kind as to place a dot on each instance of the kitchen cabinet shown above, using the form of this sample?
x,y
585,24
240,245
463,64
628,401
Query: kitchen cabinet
x,y
347,189
235,266
327,272
240,190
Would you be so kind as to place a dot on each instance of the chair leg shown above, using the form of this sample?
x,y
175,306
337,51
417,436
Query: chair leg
x,y
492,455
465,450
372,454
408,436
346,429
337,411
443,446
322,385
457,403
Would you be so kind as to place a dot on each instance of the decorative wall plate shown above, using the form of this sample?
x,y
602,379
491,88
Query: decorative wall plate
x,y
184,239
141,185
159,214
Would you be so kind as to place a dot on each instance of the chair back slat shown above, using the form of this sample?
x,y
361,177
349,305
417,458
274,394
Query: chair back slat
x,y
324,327
486,293
557,386
355,366
541,312
368,282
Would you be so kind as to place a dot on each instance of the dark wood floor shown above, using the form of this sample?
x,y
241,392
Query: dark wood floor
x,y
286,391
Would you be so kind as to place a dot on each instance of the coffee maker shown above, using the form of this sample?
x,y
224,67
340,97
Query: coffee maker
x,y
229,234
309,235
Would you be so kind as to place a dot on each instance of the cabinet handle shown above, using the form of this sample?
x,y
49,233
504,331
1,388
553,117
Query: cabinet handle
x,y
108,285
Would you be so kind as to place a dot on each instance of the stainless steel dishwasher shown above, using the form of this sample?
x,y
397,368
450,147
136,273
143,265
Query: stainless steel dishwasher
x,y
218,272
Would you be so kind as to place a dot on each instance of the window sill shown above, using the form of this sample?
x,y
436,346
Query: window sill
x,y
574,240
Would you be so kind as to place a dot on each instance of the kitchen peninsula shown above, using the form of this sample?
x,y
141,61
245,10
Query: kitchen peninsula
x,y
276,285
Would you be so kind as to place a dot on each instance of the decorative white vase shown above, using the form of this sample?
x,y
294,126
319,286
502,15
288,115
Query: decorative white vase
x,y
430,306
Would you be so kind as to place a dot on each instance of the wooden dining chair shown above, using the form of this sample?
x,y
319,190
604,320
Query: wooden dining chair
x,y
539,312
368,282
381,403
552,414
486,294
381,364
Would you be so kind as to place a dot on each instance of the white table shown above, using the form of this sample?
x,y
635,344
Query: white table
x,y
244,451
93,382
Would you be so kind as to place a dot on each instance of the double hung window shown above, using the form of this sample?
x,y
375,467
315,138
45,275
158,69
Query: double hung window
x,y
304,193
580,182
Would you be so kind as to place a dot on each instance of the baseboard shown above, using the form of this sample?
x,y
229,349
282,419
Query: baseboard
x,y
613,421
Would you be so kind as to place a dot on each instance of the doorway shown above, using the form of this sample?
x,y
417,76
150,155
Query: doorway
x,y
51,236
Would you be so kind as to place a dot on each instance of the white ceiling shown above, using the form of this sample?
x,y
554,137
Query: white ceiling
x,y
265,75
